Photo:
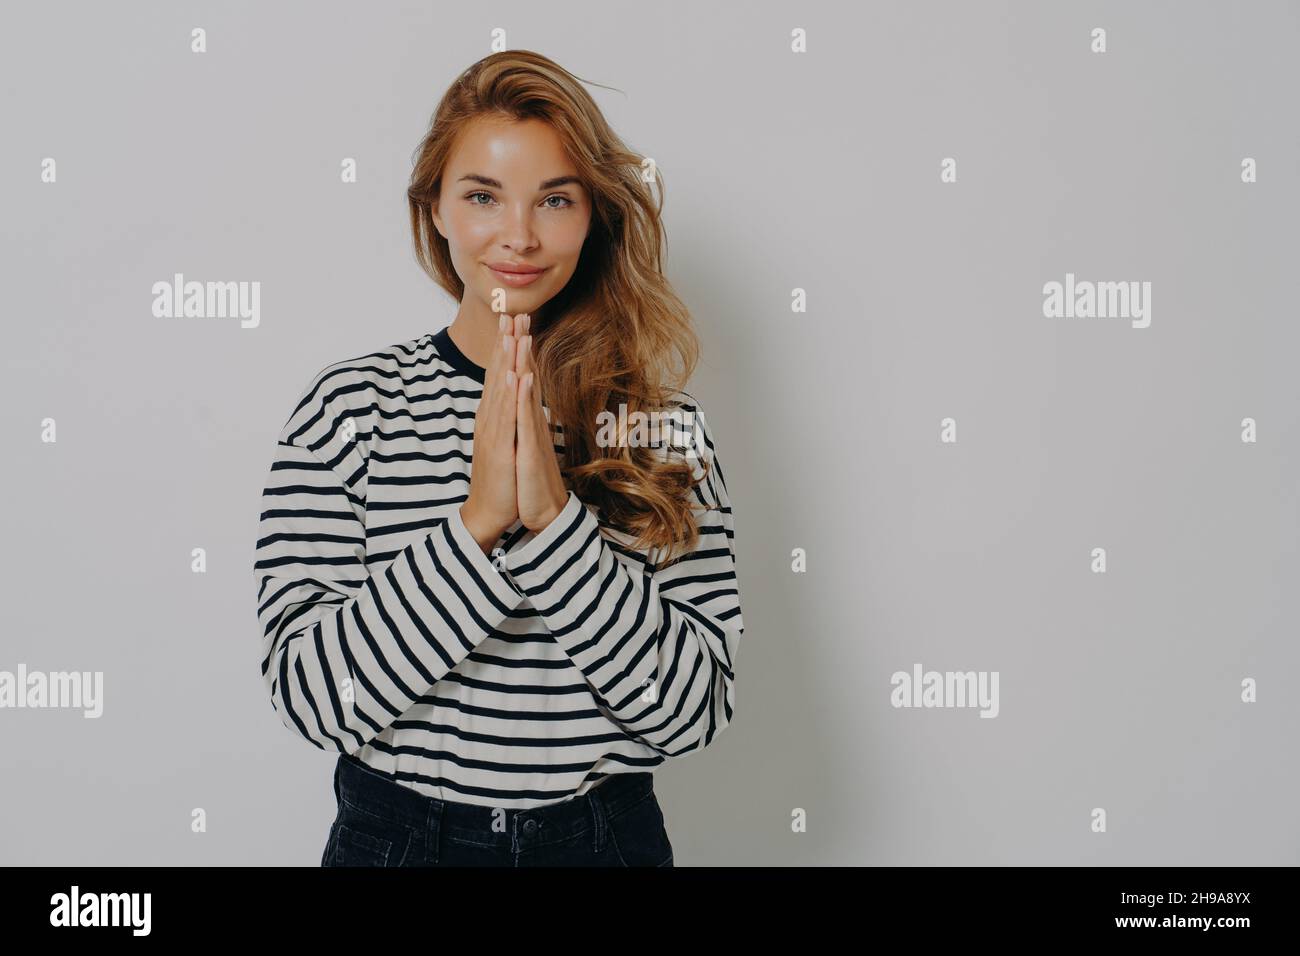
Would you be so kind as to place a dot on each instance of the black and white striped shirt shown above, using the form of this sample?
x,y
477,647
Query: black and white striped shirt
x,y
511,681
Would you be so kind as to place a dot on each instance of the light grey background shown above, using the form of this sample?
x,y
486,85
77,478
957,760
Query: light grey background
x,y
816,171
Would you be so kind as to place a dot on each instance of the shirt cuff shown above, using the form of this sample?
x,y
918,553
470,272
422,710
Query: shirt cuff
x,y
491,573
555,545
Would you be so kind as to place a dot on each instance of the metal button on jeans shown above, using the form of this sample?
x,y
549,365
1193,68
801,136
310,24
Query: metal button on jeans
x,y
530,826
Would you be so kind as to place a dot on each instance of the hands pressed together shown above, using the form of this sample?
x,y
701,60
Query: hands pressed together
x,y
515,474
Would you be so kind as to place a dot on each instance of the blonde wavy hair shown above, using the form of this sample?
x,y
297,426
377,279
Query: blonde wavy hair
x,y
617,333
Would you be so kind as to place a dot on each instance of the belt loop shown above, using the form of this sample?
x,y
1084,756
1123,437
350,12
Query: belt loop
x,y
599,820
433,830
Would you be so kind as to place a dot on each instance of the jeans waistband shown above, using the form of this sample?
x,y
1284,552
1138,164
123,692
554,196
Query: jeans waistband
x,y
376,794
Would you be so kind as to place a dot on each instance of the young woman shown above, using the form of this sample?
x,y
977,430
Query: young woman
x,y
502,653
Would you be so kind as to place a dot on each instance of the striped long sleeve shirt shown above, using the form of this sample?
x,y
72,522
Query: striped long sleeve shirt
x,y
514,680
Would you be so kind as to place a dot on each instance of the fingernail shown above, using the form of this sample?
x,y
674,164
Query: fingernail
x,y
501,325
510,376
528,319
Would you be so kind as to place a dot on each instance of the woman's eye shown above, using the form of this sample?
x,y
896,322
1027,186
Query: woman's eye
x,y
566,200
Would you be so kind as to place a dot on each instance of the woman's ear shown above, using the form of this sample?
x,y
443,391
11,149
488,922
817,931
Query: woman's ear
x,y
437,220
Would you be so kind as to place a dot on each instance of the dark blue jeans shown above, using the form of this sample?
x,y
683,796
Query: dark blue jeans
x,y
382,823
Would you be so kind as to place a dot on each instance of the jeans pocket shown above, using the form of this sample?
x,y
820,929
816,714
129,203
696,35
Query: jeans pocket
x,y
361,837
639,835
357,848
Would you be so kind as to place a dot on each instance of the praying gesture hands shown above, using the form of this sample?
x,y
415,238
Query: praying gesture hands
x,y
514,474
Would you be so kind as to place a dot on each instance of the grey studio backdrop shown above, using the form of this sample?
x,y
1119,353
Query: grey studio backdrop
x,y
818,171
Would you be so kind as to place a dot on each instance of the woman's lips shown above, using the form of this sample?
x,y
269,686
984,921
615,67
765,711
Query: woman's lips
x,y
516,279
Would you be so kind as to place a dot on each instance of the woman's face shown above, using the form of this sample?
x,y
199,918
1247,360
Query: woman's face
x,y
510,197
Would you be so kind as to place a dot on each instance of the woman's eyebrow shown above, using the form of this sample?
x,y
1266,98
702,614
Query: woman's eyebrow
x,y
496,183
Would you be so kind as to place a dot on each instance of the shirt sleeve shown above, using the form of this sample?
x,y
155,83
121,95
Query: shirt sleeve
x,y
346,649
656,646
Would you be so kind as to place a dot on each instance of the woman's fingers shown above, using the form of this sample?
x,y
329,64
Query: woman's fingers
x,y
494,373
504,411
496,412
529,403
524,350
507,360
518,325
492,503
517,329
534,394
